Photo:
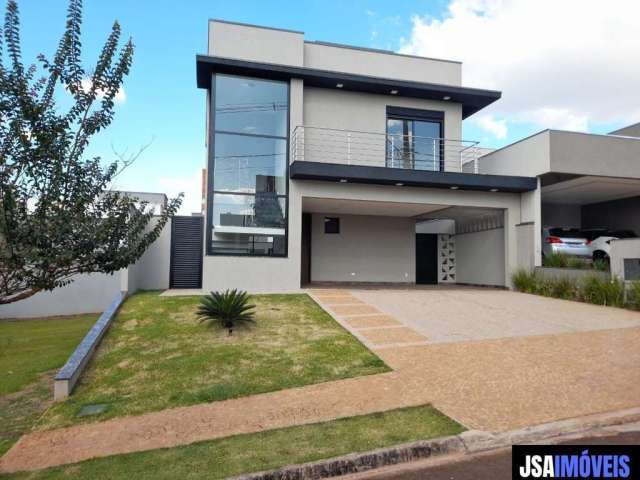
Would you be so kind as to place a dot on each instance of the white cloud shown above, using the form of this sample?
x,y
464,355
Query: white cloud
x,y
498,128
120,96
558,118
563,64
191,185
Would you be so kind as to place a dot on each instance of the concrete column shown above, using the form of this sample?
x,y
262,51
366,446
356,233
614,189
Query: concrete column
x,y
511,220
531,223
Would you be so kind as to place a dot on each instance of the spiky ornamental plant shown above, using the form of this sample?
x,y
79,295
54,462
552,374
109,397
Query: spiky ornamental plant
x,y
58,217
228,308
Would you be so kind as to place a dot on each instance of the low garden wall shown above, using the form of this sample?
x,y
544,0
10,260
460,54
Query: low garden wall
x,y
571,273
88,293
92,293
69,374
625,259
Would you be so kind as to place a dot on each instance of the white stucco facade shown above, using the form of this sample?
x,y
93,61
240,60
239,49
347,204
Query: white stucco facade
x,y
374,245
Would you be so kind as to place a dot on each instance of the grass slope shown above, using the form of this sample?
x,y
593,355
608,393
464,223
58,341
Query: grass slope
x,y
157,355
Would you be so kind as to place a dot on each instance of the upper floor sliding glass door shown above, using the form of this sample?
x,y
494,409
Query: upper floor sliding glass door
x,y
248,214
414,144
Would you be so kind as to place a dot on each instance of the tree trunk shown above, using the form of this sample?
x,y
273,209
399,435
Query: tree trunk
x,y
17,297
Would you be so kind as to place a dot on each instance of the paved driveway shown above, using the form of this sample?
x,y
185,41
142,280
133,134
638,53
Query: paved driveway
x,y
455,313
496,359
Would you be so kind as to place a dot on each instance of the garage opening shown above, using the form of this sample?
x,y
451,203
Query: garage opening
x,y
591,208
360,242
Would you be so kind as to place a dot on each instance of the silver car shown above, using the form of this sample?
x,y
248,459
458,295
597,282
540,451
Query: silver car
x,y
567,241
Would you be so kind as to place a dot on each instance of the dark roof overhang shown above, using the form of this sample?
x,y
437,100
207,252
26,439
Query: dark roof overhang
x,y
332,172
471,99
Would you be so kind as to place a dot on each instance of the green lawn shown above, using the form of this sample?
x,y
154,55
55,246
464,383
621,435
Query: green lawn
x,y
30,352
263,451
31,347
157,355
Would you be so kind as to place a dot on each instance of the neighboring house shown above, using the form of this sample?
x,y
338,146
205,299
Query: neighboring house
x,y
586,180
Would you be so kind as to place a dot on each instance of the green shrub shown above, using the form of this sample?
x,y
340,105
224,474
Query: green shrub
x,y
525,281
602,292
562,287
601,265
577,262
561,260
633,295
590,289
555,260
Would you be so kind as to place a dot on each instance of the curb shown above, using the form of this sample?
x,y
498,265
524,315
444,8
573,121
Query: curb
x,y
469,442
361,462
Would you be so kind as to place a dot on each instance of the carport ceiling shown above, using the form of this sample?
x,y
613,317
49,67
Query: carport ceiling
x,y
359,207
586,190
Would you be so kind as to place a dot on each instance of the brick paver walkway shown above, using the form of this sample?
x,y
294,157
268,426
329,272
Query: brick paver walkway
x,y
491,385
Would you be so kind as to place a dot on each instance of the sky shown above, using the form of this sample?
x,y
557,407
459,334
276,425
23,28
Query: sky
x,y
565,64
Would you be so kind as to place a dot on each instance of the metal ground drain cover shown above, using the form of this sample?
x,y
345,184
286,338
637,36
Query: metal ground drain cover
x,y
92,409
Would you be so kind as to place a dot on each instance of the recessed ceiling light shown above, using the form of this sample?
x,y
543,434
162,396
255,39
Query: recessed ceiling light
x,y
453,187
446,97
339,85
493,190
399,184
393,92
343,180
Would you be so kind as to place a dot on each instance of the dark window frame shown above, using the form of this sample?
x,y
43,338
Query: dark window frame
x,y
420,115
332,220
209,251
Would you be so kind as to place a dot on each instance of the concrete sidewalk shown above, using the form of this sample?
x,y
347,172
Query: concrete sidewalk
x,y
490,385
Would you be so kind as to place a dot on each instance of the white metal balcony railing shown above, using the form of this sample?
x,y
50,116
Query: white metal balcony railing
x,y
326,145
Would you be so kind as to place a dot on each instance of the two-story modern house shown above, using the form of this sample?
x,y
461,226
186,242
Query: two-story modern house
x,y
331,163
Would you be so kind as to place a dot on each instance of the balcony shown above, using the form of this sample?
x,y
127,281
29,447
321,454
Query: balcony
x,y
401,160
345,147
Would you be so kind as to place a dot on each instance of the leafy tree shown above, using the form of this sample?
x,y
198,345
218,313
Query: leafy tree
x,y
228,308
58,216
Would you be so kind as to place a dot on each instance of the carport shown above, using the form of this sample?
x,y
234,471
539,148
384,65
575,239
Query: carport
x,y
591,202
374,242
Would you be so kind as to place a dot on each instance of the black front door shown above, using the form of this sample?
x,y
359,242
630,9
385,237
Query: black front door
x,y
426,258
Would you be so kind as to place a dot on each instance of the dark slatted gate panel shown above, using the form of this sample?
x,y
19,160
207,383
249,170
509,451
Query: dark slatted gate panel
x,y
186,252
